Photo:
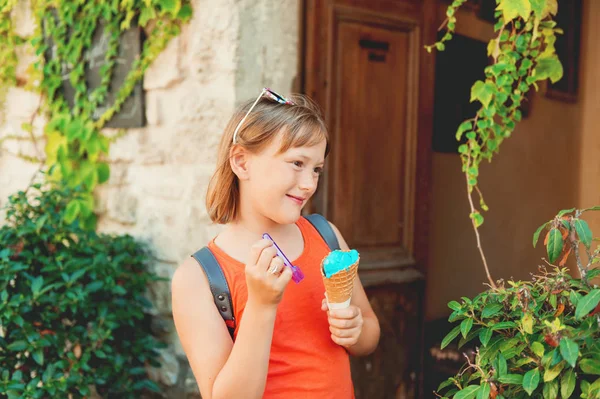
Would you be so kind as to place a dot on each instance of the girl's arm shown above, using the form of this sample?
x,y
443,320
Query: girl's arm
x,y
356,327
222,369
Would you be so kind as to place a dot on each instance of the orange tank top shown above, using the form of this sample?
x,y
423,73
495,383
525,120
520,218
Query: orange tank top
x,y
304,361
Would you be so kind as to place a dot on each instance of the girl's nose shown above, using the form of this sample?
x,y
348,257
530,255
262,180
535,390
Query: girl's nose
x,y
308,181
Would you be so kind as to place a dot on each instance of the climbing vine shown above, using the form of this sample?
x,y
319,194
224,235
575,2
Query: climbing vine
x,y
76,148
523,54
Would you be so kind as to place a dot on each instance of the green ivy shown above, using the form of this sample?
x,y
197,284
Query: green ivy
x,y
524,54
73,315
76,148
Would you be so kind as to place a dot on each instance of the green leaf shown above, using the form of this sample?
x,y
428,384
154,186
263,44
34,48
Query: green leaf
x,y
485,335
569,350
73,209
538,349
548,67
564,212
512,9
465,326
491,310
185,13
465,126
583,232
527,322
550,390
515,379
38,356
550,8
451,335
590,366
103,172
483,92
567,384
587,304
454,305
555,244
476,216
551,373
37,284
17,346
531,380
503,325
536,235
502,366
468,393
484,391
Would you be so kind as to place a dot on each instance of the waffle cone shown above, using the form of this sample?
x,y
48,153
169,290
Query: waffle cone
x,y
339,286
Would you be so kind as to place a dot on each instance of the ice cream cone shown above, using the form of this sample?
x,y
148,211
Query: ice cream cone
x,y
338,287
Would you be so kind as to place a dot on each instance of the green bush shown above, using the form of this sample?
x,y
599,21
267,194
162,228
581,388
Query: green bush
x,y
73,315
538,338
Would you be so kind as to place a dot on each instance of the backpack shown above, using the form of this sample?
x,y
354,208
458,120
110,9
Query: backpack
x,y
218,284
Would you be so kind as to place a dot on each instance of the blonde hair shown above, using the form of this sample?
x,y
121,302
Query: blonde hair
x,y
300,124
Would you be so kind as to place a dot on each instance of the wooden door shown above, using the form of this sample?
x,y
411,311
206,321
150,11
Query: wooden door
x,y
365,65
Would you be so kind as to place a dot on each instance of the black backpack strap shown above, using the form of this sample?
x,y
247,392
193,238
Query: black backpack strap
x,y
324,228
218,286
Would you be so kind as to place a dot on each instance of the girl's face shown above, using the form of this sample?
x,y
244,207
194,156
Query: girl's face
x,y
280,184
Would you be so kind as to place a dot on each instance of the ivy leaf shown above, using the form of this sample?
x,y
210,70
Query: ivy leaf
x,y
454,305
538,6
583,232
103,172
548,67
587,303
451,335
73,209
531,380
512,9
551,7
569,351
567,384
465,126
483,92
468,393
555,244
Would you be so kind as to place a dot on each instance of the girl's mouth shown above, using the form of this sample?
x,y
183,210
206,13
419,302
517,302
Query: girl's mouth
x,y
297,200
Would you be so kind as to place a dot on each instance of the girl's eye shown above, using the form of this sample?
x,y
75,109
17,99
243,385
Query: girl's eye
x,y
318,171
298,164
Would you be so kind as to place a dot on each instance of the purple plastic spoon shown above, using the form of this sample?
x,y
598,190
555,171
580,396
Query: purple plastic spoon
x,y
297,274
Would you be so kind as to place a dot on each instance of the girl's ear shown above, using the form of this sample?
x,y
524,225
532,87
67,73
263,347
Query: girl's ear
x,y
239,159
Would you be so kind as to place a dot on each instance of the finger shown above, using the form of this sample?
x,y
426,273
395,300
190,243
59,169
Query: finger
x,y
257,250
267,255
350,312
284,278
345,333
324,305
345,323
345,342
276,266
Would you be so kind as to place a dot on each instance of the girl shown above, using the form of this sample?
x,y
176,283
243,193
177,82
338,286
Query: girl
x,y
287,344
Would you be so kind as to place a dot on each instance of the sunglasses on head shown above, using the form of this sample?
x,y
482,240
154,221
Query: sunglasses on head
x,y
269,94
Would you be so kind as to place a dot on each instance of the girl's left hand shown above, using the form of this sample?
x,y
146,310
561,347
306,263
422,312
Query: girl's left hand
x,y
345,325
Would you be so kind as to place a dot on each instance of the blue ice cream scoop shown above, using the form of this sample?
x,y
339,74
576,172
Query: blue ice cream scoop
x,y
339,260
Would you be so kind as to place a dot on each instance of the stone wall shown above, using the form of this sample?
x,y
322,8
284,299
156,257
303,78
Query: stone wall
x,y
159,173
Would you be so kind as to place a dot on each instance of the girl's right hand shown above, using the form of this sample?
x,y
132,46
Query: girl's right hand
x,y
266,274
